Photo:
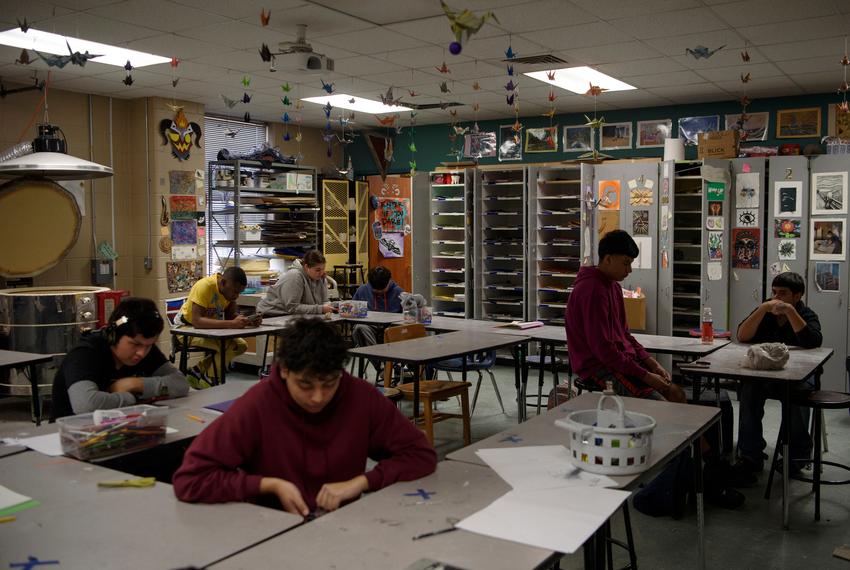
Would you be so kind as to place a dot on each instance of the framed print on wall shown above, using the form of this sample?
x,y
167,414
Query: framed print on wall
x,y
509,143
798,123
544,139
578,138
829,193
616,136
651,134
752,128
827,239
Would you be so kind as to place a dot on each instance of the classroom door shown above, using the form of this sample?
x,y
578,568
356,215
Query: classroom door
x,y
390,226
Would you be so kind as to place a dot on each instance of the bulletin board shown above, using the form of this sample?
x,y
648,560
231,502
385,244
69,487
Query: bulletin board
x,y
390,223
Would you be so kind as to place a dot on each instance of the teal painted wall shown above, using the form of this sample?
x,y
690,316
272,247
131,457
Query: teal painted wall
x,y
433,144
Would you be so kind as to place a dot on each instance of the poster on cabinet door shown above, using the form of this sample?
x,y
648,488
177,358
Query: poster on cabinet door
x,y
787,199
747,190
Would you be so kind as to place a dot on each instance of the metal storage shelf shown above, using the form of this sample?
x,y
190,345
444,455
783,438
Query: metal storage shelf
x,y
448,203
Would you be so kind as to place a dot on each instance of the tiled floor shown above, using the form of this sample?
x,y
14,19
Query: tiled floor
x,y
750,537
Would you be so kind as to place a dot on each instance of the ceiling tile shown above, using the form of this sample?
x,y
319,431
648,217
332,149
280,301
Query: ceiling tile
x,y
818,82
493,49
371,41
662,24
38,13
541,14
811,28
758,12
570,37
692,93
421,56
812,65
767,87
97,29
469,71
239,35
613,9
438,31
676,44
616,52
365,65
407,77
157,14
756,71
320,21
384,11
827,47
171,45
665,79
641,67
244,9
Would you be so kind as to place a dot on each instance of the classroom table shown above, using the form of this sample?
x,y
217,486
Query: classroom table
x,y
376,531
16,359
81,525
421,351
223,335
678,426
728,363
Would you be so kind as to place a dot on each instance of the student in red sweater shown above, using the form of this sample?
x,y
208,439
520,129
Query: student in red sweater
x,y
300,438
600,345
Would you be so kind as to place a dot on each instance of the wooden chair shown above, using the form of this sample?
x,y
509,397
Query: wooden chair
x,y
430,391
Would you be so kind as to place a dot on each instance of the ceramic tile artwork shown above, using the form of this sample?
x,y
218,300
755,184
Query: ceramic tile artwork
x,y
181,181
640,222
181,275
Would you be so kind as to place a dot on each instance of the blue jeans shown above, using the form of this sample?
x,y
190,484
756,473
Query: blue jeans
x,y
751,441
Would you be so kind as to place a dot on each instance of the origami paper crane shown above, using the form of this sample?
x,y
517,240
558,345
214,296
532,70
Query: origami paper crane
x,y
265,17
702,52
230,103
443,68
328,87
60,61
594,90
465,22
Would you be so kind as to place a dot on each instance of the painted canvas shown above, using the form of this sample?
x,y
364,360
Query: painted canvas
x,y
509,144
690,127
827,239
184,232
544,139
786,228
393,214
616,136
181,181
828,277
746,248
609,194
181,275
578,138
715,246
651,134
787,200
829,193
752,128
798,123
183,207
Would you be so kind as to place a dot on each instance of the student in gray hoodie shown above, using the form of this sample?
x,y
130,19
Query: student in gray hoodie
x,y
303,290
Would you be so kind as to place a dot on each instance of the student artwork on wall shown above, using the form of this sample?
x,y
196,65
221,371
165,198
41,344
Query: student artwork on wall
x,y
181,275
786,199
181,181
479,145
828,277
787,249
184,232
607,221
391,245
183,207
644,258
746,245
827,239
640,191
544,139
184,252
839,123
652,134
616,136
747,190
393,214
714,270
509,144
754,127
829,193
715,208
578,138
798,123
786,228
715,246
716,191
640,222
609,194
746,218
690,127
714,222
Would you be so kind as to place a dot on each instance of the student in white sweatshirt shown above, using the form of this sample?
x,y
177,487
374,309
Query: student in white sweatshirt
x,y
303,290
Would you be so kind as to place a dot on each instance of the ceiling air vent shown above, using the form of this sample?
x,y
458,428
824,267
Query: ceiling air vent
x,y
542,59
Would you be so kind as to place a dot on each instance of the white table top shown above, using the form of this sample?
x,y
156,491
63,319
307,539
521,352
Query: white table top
x,y
376,531
438,347
84,526
728,363
265,328
677,426
16,358
685,346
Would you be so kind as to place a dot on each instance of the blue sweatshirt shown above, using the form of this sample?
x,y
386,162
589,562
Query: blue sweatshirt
x,y
388,301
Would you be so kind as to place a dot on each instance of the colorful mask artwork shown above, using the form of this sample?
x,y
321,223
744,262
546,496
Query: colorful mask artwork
x,y
181,133
747,245
393,214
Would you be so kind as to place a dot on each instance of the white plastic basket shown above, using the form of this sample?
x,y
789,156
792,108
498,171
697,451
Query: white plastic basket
x,y
609,441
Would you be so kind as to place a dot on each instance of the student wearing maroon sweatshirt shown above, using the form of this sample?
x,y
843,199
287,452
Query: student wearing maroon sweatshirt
x,y
300,438
601,347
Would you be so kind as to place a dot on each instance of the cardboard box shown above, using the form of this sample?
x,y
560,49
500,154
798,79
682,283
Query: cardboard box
x,y
635,313
717,144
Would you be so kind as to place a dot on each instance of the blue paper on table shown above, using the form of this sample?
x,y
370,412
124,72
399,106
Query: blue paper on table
x,y
221,406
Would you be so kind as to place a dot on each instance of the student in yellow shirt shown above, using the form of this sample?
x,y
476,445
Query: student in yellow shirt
x,y
212,305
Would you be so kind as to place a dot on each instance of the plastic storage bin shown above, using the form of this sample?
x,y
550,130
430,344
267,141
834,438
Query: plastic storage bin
x,y
112,432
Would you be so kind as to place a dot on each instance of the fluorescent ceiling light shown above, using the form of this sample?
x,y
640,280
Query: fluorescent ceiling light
x,y
579,79
54,44
360,104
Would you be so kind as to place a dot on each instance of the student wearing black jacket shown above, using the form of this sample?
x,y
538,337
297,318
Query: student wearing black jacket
x,y
783,318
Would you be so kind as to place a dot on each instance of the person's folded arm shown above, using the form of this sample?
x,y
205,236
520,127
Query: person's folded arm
x,y
86,397
166,381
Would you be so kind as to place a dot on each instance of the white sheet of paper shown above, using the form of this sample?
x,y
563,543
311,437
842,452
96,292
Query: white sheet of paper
x,y
540,467
48,444
715,271
9,498
554,519
170,430
644,260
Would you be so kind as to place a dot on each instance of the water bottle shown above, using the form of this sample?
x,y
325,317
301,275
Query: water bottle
x,y
707,326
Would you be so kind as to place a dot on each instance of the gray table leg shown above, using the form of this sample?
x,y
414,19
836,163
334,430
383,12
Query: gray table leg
x,y
36,401
698,483
223,360
518,385
786,455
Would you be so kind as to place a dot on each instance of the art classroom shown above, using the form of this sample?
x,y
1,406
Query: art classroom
x,y
461,284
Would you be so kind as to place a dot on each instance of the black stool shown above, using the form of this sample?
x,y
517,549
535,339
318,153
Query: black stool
x,y
817,401
541,362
